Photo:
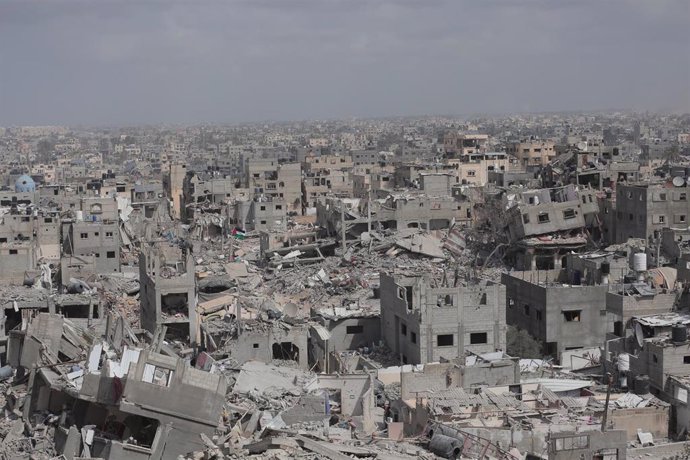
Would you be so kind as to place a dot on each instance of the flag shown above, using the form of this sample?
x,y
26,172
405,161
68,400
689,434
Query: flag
x,y
238,233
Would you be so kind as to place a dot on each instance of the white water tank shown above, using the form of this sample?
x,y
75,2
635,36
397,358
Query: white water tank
x,y
639,262
623,362
80,216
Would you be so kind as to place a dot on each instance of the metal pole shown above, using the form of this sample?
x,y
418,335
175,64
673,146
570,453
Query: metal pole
x,y
369,210
342,226
606,404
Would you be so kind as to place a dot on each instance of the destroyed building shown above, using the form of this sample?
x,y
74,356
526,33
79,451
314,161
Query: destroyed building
x,y
277,180
653,356
532,152
131,403
168,291
94,241
424,323
26,240
457,144
559,308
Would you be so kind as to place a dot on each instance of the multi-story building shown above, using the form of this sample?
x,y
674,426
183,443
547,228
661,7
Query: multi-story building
x,y
561,315
423,324
100,240
543,211
262,213
642,209
532,152
474,168
458,144
281,181
317,184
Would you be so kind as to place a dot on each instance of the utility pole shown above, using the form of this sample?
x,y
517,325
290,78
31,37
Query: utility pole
x,y
369,210
606,404
342,226
657,236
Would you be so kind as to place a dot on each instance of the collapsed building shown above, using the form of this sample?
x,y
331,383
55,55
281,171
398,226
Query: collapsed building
x,y
168,291
113,399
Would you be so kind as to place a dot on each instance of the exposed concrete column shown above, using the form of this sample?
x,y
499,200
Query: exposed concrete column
x,y
557,260
532,259
461,323
430,345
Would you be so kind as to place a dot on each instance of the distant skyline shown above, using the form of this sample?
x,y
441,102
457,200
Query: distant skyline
x,y
167,61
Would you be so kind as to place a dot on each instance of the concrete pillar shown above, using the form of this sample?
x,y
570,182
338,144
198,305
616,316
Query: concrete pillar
x,y
532,259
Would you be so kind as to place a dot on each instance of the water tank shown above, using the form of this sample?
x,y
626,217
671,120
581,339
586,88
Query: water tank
x,y
24,183
639,262
641,385
679,333
80,216
445,446
446,431
623,362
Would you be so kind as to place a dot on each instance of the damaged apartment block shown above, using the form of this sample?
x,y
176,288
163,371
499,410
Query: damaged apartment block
x,y
168,291
129,404
423,323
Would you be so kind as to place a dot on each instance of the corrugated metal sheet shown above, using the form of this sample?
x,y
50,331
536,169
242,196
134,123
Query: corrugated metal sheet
x,y
561,385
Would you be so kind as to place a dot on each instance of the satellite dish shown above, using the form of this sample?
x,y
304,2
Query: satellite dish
x,y
678,181
639,335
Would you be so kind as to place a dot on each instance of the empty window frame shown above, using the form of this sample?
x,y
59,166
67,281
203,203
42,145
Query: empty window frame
x,y
477,338
569,214
357,329
572,443
543,218
157,375
444,340
572,316
445,300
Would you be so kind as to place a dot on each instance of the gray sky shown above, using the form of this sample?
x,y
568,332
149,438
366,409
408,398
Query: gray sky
x,y
139,61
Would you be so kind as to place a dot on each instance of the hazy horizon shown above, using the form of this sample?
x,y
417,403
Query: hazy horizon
x,y
171,62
